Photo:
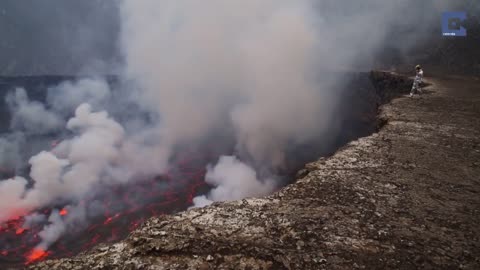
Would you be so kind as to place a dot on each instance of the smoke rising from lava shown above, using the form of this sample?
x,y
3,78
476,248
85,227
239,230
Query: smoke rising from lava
x,y
233,180
243,67
252,68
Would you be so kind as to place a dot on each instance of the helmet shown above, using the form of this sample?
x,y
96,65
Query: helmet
x,y
418,67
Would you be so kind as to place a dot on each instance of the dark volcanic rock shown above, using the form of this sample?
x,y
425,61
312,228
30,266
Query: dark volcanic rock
x,y
406,197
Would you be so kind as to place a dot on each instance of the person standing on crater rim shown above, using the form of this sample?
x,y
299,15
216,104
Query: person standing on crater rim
x,y
417,81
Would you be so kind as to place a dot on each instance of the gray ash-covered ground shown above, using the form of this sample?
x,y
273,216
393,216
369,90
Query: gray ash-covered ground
x,y
124,208
406,197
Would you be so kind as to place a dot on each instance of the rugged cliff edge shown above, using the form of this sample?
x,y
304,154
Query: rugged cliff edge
x,y
405,197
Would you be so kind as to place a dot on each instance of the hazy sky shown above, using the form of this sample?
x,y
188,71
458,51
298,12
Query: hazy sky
x,y
57,36
81,36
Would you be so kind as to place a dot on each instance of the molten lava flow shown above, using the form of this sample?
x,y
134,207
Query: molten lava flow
x,y
63,212
118,211
110,219
35,255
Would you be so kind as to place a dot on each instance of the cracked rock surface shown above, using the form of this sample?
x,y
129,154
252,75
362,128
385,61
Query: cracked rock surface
x,y
406,197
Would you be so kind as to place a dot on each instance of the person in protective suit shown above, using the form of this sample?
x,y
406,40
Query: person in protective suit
x,y
417,82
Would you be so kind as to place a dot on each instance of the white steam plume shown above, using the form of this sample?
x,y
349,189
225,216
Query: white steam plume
x,y
98,153
69,174
244,63
245,66
253,67
58,225
233,180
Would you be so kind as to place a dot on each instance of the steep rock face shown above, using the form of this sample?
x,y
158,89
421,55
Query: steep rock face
x,y
404,197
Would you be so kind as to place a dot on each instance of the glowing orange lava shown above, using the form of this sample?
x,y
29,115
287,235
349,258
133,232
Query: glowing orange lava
x,y
117,212
36,254
63,212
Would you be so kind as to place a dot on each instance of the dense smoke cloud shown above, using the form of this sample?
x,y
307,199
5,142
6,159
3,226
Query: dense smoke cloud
x,y
233,180
257,67
94,156
258,71
260,82
96,153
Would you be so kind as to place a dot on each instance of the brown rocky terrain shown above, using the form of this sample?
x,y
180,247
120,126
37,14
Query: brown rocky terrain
x,y
406,197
